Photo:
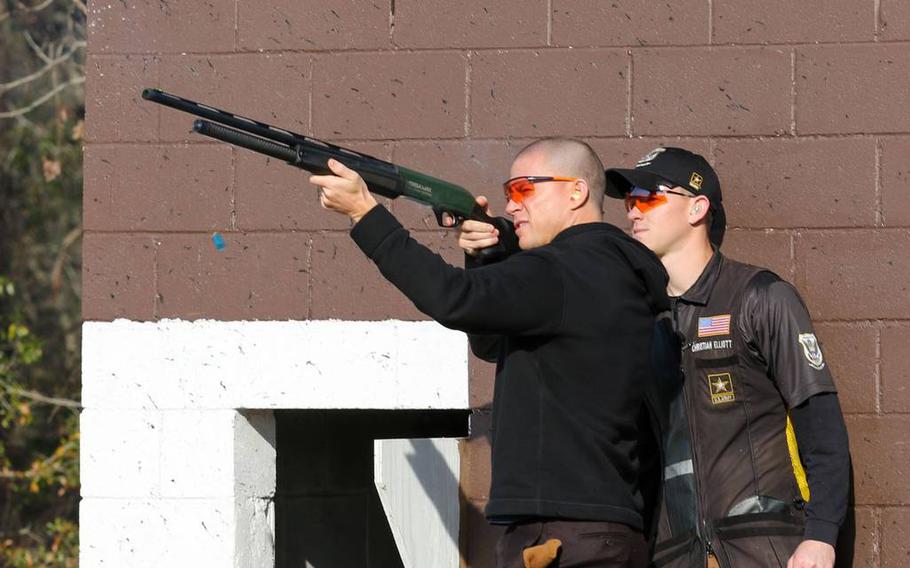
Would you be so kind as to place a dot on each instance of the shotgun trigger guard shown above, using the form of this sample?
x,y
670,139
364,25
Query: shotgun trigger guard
x,y
439,212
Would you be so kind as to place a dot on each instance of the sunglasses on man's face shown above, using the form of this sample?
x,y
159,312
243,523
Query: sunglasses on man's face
x,y
645,200
519,188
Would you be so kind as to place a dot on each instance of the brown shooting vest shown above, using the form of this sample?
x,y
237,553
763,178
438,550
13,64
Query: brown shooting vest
x,y
731,485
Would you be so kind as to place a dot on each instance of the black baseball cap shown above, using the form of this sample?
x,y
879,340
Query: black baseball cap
x,y
676,167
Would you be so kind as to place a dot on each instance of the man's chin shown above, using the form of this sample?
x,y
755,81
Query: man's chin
x,y
526,242
643,239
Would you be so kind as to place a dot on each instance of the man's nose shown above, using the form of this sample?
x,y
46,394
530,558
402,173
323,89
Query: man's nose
x,y
633,214
512,207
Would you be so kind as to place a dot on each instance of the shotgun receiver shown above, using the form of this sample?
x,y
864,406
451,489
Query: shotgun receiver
x,y
383,178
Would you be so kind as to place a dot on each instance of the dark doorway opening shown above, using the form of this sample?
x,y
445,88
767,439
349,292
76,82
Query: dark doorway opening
x,y
327,511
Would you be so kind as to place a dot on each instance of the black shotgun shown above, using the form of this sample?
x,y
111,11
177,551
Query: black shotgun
x,y
382,177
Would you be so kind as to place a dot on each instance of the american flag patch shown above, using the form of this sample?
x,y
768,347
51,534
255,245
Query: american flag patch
x,y
714,325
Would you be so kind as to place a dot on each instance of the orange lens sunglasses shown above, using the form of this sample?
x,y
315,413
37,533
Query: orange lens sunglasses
x,y
645,200
518,188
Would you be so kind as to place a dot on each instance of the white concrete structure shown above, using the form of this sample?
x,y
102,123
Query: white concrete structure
x,y
178,438
416,479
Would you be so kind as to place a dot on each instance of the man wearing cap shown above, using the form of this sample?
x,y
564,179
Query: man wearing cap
x,y
763,477
757,469
572,317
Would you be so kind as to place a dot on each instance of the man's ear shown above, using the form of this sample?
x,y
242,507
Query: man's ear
x,y
580,194
698,209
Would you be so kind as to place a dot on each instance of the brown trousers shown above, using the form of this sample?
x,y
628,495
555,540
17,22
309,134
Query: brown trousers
x,y
585,544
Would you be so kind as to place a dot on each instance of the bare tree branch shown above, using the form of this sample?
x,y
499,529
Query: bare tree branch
x,y
52,400
38,397
38,74
42,99
36,48
57,270
24,120
27,9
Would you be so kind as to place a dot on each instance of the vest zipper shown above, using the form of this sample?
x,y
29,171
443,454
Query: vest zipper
x,y
701,526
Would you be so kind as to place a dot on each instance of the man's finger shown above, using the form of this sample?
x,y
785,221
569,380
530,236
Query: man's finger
x,y
485,203
486,243
321,181
475,237
330,181
342,170
471,226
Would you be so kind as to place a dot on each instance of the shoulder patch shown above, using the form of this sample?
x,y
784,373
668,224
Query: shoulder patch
x,y
812,351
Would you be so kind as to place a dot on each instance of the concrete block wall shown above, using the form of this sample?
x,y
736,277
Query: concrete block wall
x,y
801,106
166,487
179,441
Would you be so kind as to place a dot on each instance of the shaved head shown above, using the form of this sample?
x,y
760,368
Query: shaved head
x,y
569,191
572,158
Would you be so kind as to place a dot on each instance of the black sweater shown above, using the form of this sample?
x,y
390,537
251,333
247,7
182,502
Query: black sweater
x,y
576,319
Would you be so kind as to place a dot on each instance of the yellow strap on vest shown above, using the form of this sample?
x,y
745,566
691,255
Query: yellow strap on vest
x,y
798,470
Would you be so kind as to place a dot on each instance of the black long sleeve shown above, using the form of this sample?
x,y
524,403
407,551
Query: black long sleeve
x,y
486,347
522,295
577,315
822,439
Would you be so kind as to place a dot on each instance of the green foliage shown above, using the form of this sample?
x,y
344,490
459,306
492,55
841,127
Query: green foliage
x,y
40,281
58,552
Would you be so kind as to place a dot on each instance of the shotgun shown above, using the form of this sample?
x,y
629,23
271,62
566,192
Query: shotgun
x,y
382,177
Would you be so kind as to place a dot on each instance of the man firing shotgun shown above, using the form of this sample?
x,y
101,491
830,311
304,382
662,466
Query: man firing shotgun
x,y
569,322
571,318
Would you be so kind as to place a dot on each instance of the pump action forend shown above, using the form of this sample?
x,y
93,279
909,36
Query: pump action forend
x,y
382,177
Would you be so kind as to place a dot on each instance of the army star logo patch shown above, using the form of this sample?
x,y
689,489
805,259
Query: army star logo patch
x,y
721,385
812,351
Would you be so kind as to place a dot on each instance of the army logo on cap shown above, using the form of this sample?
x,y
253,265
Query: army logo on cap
x,y
812,351
649,157
696,180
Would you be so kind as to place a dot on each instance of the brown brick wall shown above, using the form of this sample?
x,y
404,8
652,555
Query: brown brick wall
x,y
802,106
